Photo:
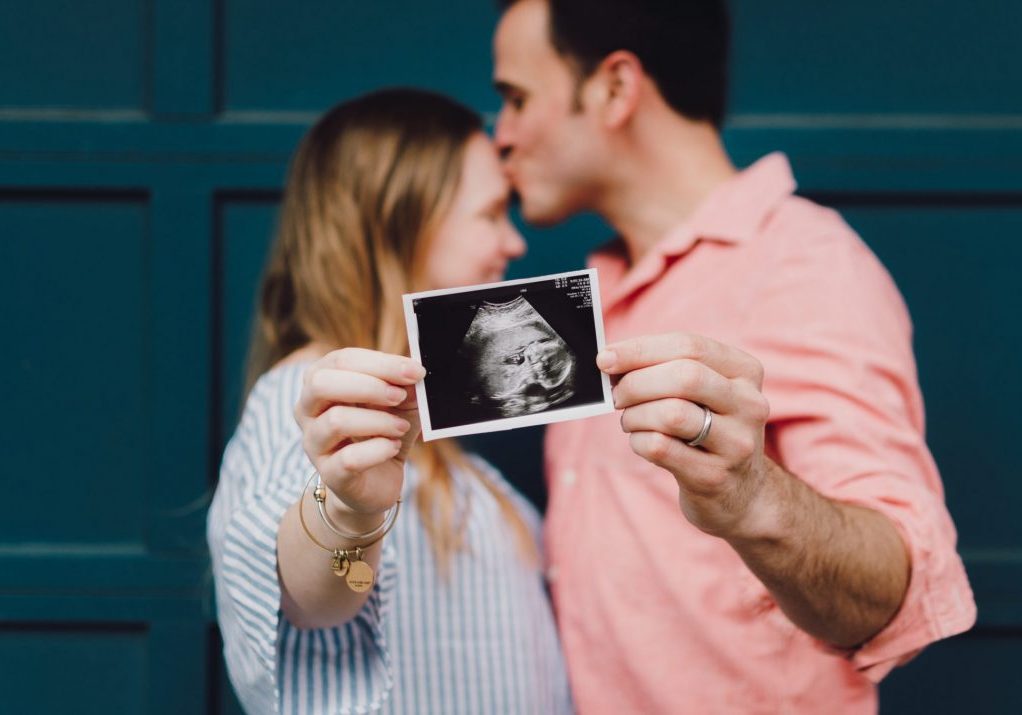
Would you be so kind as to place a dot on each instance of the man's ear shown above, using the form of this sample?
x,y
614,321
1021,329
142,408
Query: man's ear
x,y
619,79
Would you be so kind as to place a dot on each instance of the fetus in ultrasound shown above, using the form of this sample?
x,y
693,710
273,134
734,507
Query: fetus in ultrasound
x,y
518,364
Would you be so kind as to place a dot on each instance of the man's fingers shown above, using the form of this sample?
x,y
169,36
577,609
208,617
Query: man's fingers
x,y
342,422
395,369
683,420
674,417
658,448
636,353
685,379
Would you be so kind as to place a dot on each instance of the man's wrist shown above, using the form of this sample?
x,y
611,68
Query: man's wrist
x,y
765,518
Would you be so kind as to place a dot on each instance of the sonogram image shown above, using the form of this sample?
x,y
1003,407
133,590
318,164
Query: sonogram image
x,y
518,363
522,350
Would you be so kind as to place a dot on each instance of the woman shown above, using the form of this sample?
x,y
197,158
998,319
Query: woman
x,y
394,192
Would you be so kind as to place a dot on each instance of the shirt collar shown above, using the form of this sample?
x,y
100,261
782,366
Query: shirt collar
x,y
736,209
731,214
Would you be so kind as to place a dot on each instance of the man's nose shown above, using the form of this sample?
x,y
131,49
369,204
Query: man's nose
x,y
503,136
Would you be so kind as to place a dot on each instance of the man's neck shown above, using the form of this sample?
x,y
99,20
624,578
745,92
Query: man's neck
x,y
667,172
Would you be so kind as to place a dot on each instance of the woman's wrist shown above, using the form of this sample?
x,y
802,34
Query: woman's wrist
x,y
347,519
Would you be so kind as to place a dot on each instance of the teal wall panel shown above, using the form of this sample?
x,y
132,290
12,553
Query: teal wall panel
x,y
968,674
873,56
98,669
245,226
68,55
143,146
305,56
80,262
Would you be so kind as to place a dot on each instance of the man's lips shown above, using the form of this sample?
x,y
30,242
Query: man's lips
x,y
511,171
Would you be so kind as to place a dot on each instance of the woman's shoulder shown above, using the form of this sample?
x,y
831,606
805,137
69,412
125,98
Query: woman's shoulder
x,y
266,439
277,390
268,413
285,375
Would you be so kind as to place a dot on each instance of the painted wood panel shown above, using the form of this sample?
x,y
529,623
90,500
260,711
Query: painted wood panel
x,y
79,262
64,55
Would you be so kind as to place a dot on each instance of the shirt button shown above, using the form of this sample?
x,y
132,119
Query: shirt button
x,y
568,477
551,573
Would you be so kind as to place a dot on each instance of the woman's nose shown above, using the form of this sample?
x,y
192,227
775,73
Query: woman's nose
x,y
513,244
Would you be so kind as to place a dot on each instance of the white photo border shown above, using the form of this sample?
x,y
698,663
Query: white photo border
x,y
506,423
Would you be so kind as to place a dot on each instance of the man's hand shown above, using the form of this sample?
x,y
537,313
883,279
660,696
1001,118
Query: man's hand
x,y
665,382
838,571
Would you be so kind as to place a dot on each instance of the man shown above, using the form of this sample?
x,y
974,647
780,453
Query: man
x,y
812,551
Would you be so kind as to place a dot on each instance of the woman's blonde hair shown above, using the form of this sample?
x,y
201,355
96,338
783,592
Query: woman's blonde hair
x,y
367,187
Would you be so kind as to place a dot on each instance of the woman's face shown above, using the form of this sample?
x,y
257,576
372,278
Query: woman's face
x,y
475,239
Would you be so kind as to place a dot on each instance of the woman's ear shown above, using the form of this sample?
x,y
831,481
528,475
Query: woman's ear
x,y
619,81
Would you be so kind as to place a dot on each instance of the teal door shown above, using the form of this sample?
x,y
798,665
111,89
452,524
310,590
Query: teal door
x,y
142,150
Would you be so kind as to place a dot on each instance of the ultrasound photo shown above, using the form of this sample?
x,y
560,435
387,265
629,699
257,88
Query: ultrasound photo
x,y
508,355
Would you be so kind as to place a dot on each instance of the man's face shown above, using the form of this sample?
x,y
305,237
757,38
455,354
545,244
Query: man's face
x,y
548,143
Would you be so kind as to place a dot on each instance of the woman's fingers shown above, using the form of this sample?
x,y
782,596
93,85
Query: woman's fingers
x,y
358,414
356,458
395,369
325,387
358,376
342,422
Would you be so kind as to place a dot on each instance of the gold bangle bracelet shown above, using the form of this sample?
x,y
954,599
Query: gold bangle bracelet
x,y
319,494
348,563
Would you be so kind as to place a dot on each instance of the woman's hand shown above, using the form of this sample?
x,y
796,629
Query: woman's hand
x,y
359,417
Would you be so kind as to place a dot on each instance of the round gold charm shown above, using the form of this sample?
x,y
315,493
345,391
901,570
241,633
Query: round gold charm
x,y
360,576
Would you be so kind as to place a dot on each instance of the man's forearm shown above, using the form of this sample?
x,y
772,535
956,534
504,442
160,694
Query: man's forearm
x,y
695,407
838,571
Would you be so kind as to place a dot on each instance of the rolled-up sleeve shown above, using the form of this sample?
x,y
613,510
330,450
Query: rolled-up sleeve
x,y
835,340
257,486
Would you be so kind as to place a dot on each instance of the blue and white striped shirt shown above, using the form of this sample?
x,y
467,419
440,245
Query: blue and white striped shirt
x,y
481,640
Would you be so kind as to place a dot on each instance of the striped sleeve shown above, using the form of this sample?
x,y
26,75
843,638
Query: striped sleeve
x,y
264,471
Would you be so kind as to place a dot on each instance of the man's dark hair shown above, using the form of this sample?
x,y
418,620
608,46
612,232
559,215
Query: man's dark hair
x,y
682,44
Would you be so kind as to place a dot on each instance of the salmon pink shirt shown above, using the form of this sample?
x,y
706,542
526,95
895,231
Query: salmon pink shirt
x,y
658,617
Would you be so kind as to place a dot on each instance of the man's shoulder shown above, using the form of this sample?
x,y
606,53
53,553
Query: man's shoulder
x,y
802,232
810,248
799,219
